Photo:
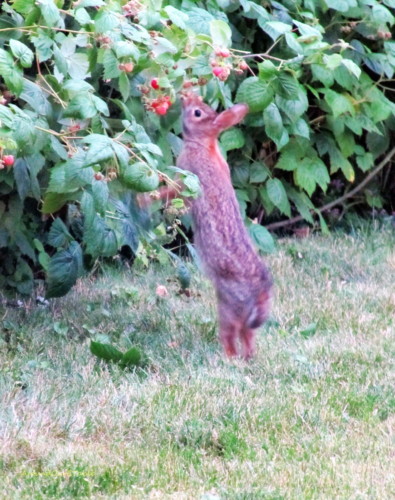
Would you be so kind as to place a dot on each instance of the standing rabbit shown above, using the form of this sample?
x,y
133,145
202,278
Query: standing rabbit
x,y
241,279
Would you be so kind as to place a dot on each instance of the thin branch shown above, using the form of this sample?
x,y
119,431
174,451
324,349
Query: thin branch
x,y
349,194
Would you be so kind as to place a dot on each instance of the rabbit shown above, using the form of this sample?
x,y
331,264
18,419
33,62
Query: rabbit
x,y
241,280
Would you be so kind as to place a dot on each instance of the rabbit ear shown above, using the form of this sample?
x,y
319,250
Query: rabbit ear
x,y
230,117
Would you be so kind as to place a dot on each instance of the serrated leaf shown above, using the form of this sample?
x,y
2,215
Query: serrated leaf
x,y
257,94
124,86
365,162
81,106
304,175
99,150
275,28
107,352
258,172
22,177
221,33
59,235
273,122
287,86
262,238
338,103
278,196
63,270
100,195
301,128
50,12
232,139
176,16
352,67
22,52
106,20
54,202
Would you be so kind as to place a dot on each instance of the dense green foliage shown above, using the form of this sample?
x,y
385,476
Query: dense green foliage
x,y
89,109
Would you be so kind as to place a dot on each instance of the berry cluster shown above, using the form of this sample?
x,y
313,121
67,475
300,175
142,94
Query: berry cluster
x,y
6,161
132,8
158,104
127,67
221,68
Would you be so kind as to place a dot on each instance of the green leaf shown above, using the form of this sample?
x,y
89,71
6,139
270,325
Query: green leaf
x,y
267,70
11,74
301,128
288,86
22,177
106,20
191,185
302,203
257,94
232,139
59,235
54,202
111,65
278,196
273,123
338,103
107,352
139,177
304,175
275,28
50,12
100,149
100,195
352,67
132,357
365,162
341,5
176,16
99,239
63,270
81,106
262,238
221,33
22,52
258,172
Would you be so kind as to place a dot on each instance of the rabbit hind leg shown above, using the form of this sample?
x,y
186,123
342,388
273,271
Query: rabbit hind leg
x,y
247,340
229,330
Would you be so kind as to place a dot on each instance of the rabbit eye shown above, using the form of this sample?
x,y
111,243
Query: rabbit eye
x,y
197,112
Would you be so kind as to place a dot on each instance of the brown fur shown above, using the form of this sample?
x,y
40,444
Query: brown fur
x,y
240,277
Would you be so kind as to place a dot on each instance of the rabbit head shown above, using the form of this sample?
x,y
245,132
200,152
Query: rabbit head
x,y
199,120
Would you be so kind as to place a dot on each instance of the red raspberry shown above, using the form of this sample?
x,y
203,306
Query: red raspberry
x,y
99,176
161,109
128,67
8,160
155,84
222,52
243,65
217,71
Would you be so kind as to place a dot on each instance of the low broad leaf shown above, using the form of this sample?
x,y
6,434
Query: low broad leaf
x,y
59,235
107,352
63,270
22,53
132,357
278,195
262,238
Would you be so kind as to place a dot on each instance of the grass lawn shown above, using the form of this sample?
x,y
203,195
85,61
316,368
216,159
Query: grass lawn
x,y
312,417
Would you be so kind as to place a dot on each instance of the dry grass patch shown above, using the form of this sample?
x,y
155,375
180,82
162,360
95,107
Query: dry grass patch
x,y
311,417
